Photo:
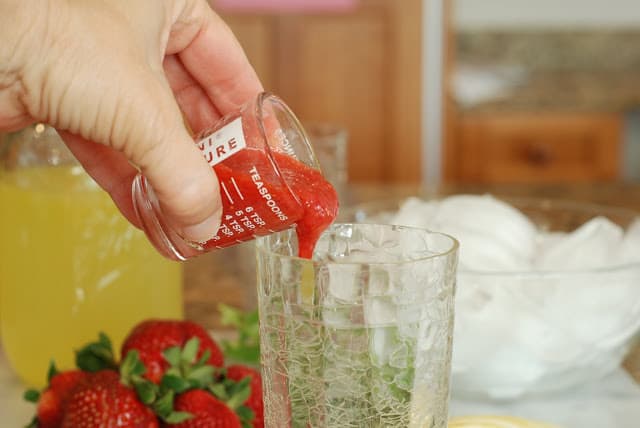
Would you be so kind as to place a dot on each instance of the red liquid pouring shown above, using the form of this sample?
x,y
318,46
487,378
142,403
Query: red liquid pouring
x,y
255,196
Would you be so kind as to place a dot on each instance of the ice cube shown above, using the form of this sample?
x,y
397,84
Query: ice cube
x,y
379,311
489,217
343,283
492,234
590,246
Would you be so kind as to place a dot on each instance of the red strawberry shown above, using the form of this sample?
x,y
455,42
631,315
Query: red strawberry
x,y
254,402
101,400
152,337
53,400
206,410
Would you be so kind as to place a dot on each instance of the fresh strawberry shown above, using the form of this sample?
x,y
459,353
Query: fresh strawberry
x,y
53,400
254,402
102,400
206,411
150,338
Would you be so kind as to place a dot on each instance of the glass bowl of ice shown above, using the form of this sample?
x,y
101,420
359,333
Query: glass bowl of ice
x,y
548,294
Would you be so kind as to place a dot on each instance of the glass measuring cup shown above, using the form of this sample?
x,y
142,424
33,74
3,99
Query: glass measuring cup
x,y
246,150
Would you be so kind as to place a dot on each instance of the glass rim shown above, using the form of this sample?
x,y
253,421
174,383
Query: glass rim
x,y
451,249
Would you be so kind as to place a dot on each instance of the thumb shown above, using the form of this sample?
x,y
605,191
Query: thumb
x,y
185,184
140,118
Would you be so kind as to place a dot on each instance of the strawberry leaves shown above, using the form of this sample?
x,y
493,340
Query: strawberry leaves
x,y
33,395
235,394
164,408
185,373
97,356
53,370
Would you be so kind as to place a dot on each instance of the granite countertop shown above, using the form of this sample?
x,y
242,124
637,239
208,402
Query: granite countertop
x,y
578,71
573,91
228,276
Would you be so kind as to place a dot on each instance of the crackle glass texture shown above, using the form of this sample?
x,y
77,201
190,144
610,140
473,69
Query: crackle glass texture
x,y
360,336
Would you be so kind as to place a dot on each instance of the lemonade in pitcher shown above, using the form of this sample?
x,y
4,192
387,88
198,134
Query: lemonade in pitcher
x,y
70,264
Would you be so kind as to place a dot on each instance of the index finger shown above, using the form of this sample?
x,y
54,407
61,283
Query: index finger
x,y
218,63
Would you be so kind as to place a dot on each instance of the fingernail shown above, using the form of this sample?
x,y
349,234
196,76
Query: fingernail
x,y
202,232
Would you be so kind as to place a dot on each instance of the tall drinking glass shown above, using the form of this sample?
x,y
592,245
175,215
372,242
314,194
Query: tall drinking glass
x,y
360,336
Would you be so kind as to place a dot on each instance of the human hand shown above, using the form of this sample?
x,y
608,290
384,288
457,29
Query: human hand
x,y
114,77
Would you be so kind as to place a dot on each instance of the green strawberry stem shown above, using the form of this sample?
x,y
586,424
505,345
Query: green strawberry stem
x,y
234,394
33,395
53,370
97,356
187,372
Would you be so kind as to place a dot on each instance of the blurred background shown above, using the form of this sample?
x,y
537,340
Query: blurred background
x,y
461,91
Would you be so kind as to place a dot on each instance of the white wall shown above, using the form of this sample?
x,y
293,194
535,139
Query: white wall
x,y
483,14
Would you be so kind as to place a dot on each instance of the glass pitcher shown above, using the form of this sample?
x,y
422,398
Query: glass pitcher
x,y
70,264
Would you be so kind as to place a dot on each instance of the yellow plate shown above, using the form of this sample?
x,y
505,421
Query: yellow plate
x,y
495,422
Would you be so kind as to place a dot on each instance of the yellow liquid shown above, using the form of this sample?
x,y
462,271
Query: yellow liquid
x,y
71,266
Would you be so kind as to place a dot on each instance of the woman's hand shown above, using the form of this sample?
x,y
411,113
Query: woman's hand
x,y
114,77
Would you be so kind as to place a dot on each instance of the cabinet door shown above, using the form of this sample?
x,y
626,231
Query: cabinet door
x,y
257,35
550,147
359,69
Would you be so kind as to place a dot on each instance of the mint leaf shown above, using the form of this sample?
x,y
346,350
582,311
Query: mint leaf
x,y
246,349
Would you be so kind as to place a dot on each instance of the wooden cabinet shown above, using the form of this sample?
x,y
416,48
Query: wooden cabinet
x,y
359,69
534,148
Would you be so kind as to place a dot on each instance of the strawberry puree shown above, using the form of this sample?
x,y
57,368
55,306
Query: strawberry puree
x,y
255,196
318,197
